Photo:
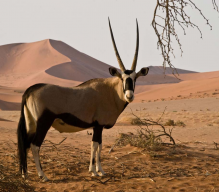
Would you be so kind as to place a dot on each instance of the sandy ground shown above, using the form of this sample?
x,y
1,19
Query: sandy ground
x,y
192,165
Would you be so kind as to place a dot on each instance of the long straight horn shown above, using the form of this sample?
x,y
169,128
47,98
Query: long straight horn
x,y
136,50
116,51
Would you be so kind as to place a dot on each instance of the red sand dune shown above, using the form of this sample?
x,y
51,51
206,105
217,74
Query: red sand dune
x,y
49,61
55,62
9,106
160,70
199,84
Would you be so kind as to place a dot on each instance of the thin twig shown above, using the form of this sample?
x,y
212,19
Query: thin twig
x,y
54,144
168,14
114,146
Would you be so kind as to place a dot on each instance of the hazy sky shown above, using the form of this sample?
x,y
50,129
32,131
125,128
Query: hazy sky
x,y
84,26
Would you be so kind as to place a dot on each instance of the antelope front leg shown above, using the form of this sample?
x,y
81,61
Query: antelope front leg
x,y
95,150
94,146
98,163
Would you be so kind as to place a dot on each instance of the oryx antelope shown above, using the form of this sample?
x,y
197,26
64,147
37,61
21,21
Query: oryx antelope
x,y
96,104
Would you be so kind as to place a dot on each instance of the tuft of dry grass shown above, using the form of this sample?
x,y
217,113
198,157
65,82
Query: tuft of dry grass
x,y
180,123
171,122
136,121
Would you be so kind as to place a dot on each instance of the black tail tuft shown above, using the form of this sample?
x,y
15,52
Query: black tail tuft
x,y
22,141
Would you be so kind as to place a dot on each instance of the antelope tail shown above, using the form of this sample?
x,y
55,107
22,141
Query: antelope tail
x,y
22,140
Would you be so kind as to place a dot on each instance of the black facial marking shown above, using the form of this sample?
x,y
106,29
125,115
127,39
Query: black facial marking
x,y
128,72
129,84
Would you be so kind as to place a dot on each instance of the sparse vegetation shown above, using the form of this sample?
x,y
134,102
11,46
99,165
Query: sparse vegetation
x,y
149,134
180,123
171,122
136,121
19,91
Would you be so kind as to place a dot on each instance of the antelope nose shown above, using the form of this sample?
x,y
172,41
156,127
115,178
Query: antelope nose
x,y
129,97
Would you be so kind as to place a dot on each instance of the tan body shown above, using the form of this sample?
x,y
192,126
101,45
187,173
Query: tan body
x,y
96,103
100,100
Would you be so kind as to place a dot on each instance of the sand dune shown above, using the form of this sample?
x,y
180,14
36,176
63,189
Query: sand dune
x,y
25,64
9,106
184,88
55,62
168,70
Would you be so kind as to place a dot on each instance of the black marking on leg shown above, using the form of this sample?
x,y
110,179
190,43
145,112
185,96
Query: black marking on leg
x,y
97,134
43,124
30,139
93,161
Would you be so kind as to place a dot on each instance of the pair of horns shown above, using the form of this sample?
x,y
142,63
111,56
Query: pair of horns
x,y
122,67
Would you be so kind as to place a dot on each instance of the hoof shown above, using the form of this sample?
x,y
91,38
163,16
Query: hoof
x,y
44,178
102,174
94,175
24,176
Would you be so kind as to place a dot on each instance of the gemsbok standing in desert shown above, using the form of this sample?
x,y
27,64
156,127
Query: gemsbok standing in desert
x,y
96,104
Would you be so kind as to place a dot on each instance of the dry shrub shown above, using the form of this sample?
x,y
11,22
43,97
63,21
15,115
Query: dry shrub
x,y
147,136
141,140
171,122
180,123
136,121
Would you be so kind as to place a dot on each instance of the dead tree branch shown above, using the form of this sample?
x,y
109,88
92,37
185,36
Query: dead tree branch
x,y
168,15
55,144
147,136
150,123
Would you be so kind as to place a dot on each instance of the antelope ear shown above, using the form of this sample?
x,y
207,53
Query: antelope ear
x,y
142,72
113,71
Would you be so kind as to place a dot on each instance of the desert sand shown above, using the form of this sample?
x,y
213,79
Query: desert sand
x,y
193,98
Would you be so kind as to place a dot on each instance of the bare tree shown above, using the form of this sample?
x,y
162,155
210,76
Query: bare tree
x,y
168,15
